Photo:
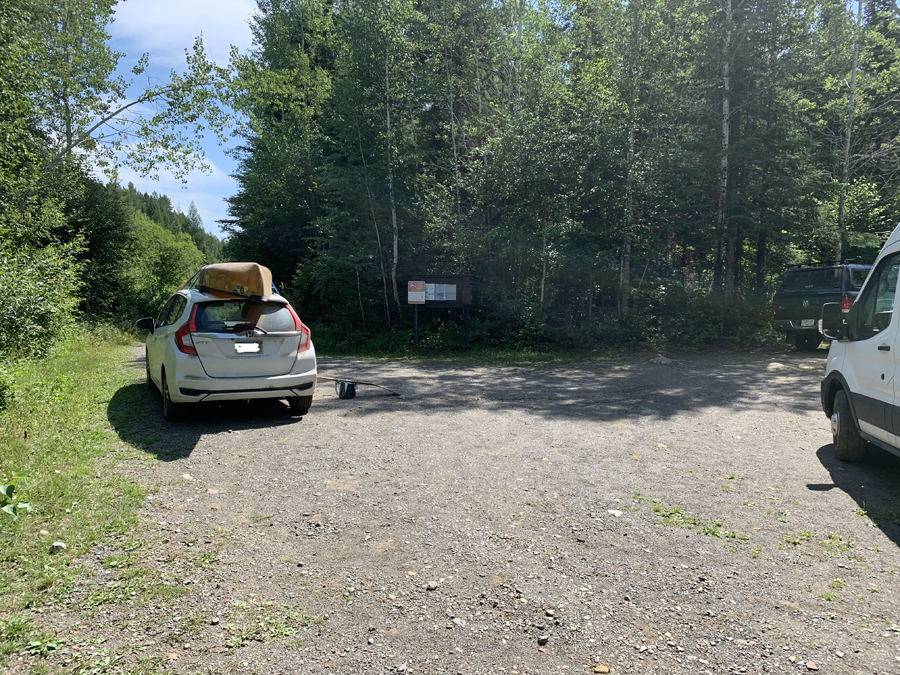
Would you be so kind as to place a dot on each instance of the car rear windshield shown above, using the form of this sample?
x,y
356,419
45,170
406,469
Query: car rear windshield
x,y
821,279
236,316
858,277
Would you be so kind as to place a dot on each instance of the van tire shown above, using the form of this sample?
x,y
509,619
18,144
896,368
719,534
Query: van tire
x,y
300,405
807,342
849,446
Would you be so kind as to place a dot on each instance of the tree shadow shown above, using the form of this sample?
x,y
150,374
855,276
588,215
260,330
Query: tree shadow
x,y
610,390
135,413
873,484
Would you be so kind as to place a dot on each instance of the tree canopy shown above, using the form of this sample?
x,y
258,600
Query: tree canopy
x,y
572,158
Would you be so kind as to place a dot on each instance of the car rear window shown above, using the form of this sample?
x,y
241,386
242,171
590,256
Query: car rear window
x,y
812,280
236,316
858,278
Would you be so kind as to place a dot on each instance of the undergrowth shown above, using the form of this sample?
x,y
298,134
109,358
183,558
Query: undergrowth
x,y
53,432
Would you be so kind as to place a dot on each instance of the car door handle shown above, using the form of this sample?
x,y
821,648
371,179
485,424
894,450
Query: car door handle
x,y
884,348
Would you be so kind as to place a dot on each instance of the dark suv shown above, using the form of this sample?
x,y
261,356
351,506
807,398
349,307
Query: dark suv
x,y
798,301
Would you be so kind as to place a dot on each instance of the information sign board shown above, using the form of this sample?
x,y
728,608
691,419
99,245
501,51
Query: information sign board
x,y
416,292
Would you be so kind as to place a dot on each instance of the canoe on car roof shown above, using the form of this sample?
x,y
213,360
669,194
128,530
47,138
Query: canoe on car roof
x,y
244,279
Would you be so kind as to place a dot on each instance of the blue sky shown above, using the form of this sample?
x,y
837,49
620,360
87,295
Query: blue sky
x,y
164,28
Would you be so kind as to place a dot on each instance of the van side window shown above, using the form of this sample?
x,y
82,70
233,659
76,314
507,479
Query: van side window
x,y
876,302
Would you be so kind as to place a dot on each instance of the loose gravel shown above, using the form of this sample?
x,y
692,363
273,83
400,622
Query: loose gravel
x,y
624,516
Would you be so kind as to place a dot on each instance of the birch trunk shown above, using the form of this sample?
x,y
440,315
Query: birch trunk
x,y
450,107
723,162
395,250
544,272
590,296
387,306
845,172
625,267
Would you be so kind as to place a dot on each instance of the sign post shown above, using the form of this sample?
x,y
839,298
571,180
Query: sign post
x,y
439,291
415,291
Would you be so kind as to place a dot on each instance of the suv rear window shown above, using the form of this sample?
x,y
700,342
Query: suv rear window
x,y
236,316
813,279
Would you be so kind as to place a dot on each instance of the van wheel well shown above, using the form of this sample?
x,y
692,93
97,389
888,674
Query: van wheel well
x,y
833,389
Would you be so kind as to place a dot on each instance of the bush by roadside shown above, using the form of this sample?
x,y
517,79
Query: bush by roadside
x,y
657,319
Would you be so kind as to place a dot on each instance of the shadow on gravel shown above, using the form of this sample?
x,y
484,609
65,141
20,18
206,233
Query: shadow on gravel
x,y
601,390
135,412
873,484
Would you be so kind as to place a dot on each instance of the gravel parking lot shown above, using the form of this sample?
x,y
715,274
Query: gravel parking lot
x,y
615,516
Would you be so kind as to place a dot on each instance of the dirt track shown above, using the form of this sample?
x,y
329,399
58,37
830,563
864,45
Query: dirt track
x,y
679,518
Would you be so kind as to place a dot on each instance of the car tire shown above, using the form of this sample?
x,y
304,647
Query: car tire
x,y
300,405
150,384
171,411
807,342
849,446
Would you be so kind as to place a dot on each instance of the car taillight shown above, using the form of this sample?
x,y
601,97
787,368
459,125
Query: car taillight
x,y
846,304
305,335
183,339
774,307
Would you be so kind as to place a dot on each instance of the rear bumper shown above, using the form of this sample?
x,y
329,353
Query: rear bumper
x,y
788,325
230,389
194,385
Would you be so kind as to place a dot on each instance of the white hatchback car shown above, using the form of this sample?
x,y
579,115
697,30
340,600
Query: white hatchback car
x,y
206,347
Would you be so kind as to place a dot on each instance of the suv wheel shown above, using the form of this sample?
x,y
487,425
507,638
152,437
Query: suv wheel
x,y
807,342
849,446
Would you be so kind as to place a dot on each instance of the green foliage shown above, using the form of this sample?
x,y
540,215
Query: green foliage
x,y
567,158
10,503
159,209
41,296
158,263
56,429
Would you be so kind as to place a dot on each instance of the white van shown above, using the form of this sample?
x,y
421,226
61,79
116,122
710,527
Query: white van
x,y
861,388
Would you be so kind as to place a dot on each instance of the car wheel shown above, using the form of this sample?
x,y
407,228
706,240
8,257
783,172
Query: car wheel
x,y
807,342
150,384
300,404
849,446
171,411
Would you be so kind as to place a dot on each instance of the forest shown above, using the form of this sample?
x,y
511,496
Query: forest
x,y
606,171
609,173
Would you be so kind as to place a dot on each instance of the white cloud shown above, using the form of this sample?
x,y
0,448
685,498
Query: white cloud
x,y
164,28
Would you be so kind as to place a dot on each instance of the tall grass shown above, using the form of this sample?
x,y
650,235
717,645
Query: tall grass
x,y
55,431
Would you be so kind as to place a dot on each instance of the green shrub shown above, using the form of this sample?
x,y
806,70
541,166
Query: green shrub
x,y
40,287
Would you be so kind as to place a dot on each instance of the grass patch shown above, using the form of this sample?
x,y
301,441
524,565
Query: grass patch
x,y
874,515
676,517
56,431
795,540
265,622
836,545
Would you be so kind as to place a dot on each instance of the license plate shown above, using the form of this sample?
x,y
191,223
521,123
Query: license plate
x,y
247,347
807,323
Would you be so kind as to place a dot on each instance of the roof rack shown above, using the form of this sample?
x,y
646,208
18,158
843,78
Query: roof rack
x,y
830,263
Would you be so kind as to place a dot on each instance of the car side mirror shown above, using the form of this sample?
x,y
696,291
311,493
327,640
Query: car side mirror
x,y
831,323
147,323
